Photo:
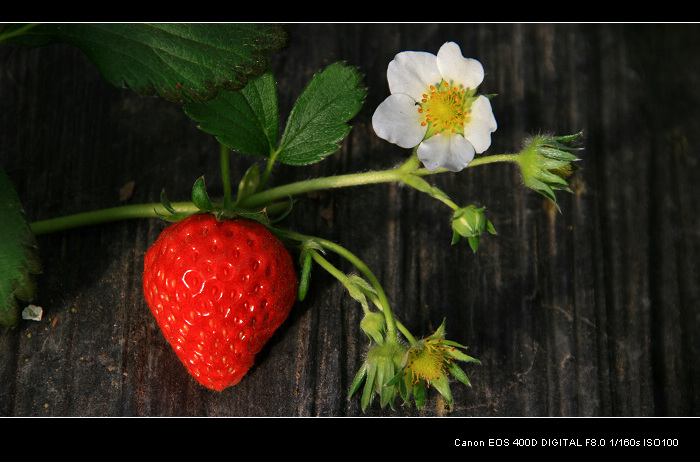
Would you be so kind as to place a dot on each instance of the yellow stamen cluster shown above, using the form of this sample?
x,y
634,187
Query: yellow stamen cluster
x,y
429,362
446,107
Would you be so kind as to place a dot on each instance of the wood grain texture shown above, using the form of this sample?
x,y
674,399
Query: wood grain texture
x,y
594,311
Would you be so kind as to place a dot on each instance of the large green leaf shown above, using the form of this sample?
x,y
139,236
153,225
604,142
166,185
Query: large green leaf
x,y
176,61
18,256
246,120
318,120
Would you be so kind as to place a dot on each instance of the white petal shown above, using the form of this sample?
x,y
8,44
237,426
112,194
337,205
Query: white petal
x,y
397,120
481,123
452,152
456,69
412,73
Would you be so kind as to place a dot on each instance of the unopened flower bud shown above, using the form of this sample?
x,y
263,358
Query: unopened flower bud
x,y
470,222
547,162
374,325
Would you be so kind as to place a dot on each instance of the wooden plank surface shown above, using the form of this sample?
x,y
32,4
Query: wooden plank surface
x,y
594,311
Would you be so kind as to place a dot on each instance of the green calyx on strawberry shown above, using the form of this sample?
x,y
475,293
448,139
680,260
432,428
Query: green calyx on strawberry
x,y
219,287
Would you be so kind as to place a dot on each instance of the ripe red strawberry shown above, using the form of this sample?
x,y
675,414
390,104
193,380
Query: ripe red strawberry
x,y
219,290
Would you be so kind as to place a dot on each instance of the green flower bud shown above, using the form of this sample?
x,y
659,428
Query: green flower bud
x,y
381,365
470,222
374,325
546,164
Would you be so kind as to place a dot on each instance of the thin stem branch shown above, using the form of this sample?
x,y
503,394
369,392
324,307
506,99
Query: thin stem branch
x,y
406,173
474,163
343,278
107,215
226,175
379,299
382,300
333,182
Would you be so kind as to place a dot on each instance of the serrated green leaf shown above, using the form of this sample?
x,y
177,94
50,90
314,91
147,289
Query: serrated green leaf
x,y
245,120
18,255
175,60
318,119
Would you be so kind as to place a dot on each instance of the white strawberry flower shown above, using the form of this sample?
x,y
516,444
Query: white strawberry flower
x,y
433,106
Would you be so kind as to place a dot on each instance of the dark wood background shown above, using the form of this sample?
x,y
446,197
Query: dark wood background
x,y
594,311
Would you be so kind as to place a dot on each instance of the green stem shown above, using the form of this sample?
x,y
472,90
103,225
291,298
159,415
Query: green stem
x,y
406,173
267,172
107,215
367,273
382,301
494,158
474,163
342,277
332,182
226,176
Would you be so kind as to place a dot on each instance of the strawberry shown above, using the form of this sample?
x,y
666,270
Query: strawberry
x,y
218,290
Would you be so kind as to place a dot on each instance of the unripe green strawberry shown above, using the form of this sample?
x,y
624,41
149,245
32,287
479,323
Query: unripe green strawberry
x,y
219,290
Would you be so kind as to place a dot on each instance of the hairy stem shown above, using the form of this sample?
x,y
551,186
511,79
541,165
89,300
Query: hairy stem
x,y
474,163
407,173
107,215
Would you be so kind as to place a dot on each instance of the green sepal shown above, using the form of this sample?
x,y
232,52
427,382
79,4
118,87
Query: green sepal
x,y
398,377
419,393
459,374
556,153
305,276
442,385
165,202
172,216
455,237
358,380
249,183
368,391
200,197
565,139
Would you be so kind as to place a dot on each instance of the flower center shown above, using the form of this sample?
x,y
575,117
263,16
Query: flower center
x,y
427,363
445,108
